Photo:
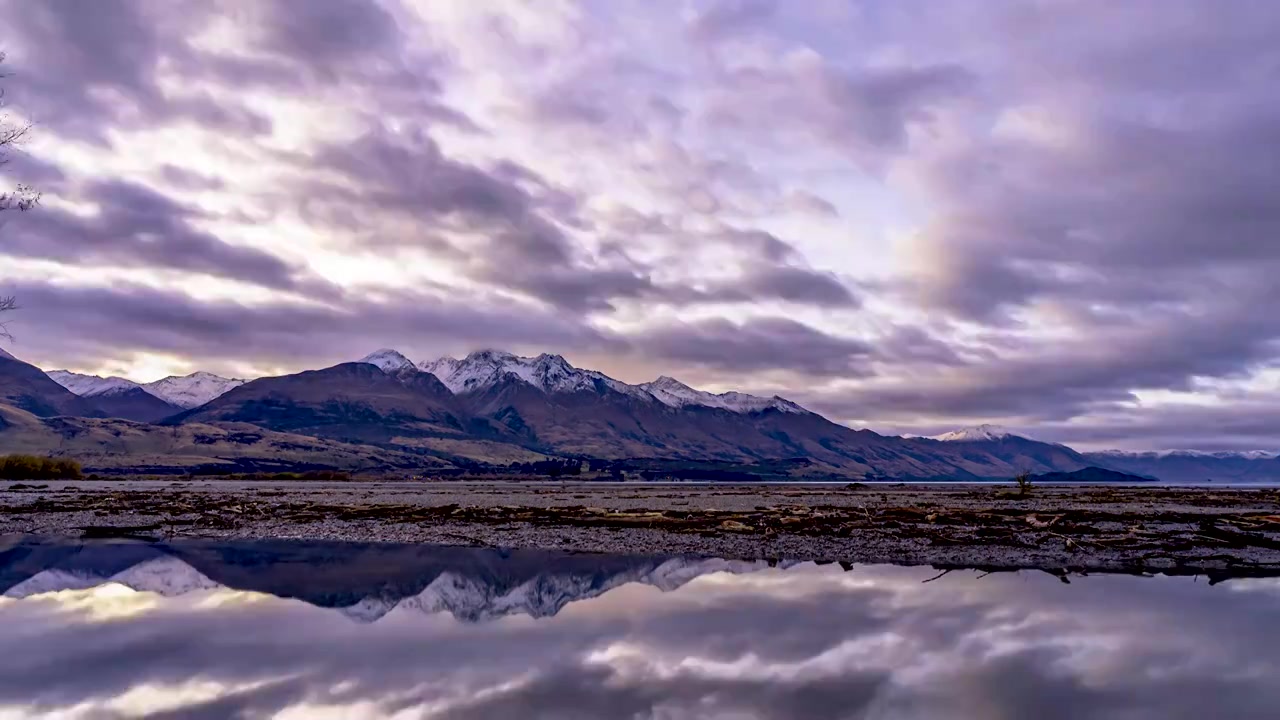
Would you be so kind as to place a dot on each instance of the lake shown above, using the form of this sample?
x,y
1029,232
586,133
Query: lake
x,y
278,629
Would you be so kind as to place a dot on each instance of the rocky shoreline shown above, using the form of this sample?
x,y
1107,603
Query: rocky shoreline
x,y
1062,529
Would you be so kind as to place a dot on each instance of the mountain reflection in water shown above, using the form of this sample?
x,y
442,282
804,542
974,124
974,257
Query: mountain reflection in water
x,y
315,630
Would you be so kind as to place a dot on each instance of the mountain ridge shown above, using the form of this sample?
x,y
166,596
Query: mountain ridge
x,y
181,391
491,408
359,581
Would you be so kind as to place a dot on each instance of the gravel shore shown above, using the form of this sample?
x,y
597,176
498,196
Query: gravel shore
x,y
1070,529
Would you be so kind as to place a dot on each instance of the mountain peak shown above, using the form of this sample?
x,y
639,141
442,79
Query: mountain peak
x,y
185,392
1215,455
676,394
491,355
91,385
388,360
6,355
194,390
485,368
978,433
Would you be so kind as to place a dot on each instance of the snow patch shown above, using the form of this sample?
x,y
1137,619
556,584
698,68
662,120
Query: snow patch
x,y
165,575
194,390
979,433
1218,455
676,394
91,385
186,392
388,361
549,373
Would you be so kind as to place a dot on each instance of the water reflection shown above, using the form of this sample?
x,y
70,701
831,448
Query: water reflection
x,y
289,630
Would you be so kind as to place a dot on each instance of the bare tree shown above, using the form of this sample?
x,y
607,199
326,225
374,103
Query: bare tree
x,y
7,304
21,197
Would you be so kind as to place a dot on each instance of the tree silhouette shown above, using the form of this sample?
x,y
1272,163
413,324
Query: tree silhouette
x,y
21,197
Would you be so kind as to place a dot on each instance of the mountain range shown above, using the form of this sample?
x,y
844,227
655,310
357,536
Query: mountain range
x,y
149,402
491,409
361,581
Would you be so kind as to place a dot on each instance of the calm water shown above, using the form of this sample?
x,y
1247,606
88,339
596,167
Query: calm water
x,y
285,630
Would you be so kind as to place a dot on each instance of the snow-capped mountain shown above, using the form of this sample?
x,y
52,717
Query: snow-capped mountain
x,y
1194,465
473,599
552,373
186,391
194,390
388,360
1218,455
547,372
91,385
674,393
979,433
165,575
116,396
471,584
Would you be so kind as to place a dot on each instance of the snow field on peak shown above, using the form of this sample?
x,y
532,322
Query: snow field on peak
x,y
91,385
975,434
388,360
674,393
194,390
186,392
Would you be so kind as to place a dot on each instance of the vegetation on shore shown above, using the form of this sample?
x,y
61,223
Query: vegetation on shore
x,y
1023,479
32,467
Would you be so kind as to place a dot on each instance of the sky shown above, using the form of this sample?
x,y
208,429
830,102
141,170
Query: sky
x,y
1057,216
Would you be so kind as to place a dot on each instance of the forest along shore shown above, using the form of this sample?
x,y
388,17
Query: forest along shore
x,y
1096,528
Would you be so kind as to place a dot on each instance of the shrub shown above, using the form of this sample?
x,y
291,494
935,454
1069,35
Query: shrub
x,y
30,467
1024,483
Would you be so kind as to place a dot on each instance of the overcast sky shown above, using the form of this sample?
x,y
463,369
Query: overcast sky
x,y
908,215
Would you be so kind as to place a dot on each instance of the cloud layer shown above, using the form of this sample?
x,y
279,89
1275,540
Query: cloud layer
x,y
1056,216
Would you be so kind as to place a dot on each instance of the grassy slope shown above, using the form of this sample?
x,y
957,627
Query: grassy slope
x,y
114,443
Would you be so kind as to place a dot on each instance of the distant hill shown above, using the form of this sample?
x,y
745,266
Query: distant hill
x,y
1021,454
356,402
1092,475
26,387
116,397
149,402
1194,467
108,444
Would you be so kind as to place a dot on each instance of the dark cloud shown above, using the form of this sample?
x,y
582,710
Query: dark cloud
x,y
810,203
514,224
727,17
139,227
408,173
1237,424
187,179
798,285
331,32
88,66
866,113
753,345
1147,233
99,323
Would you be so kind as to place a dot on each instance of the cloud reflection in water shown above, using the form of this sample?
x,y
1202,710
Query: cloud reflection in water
x,y
799,642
